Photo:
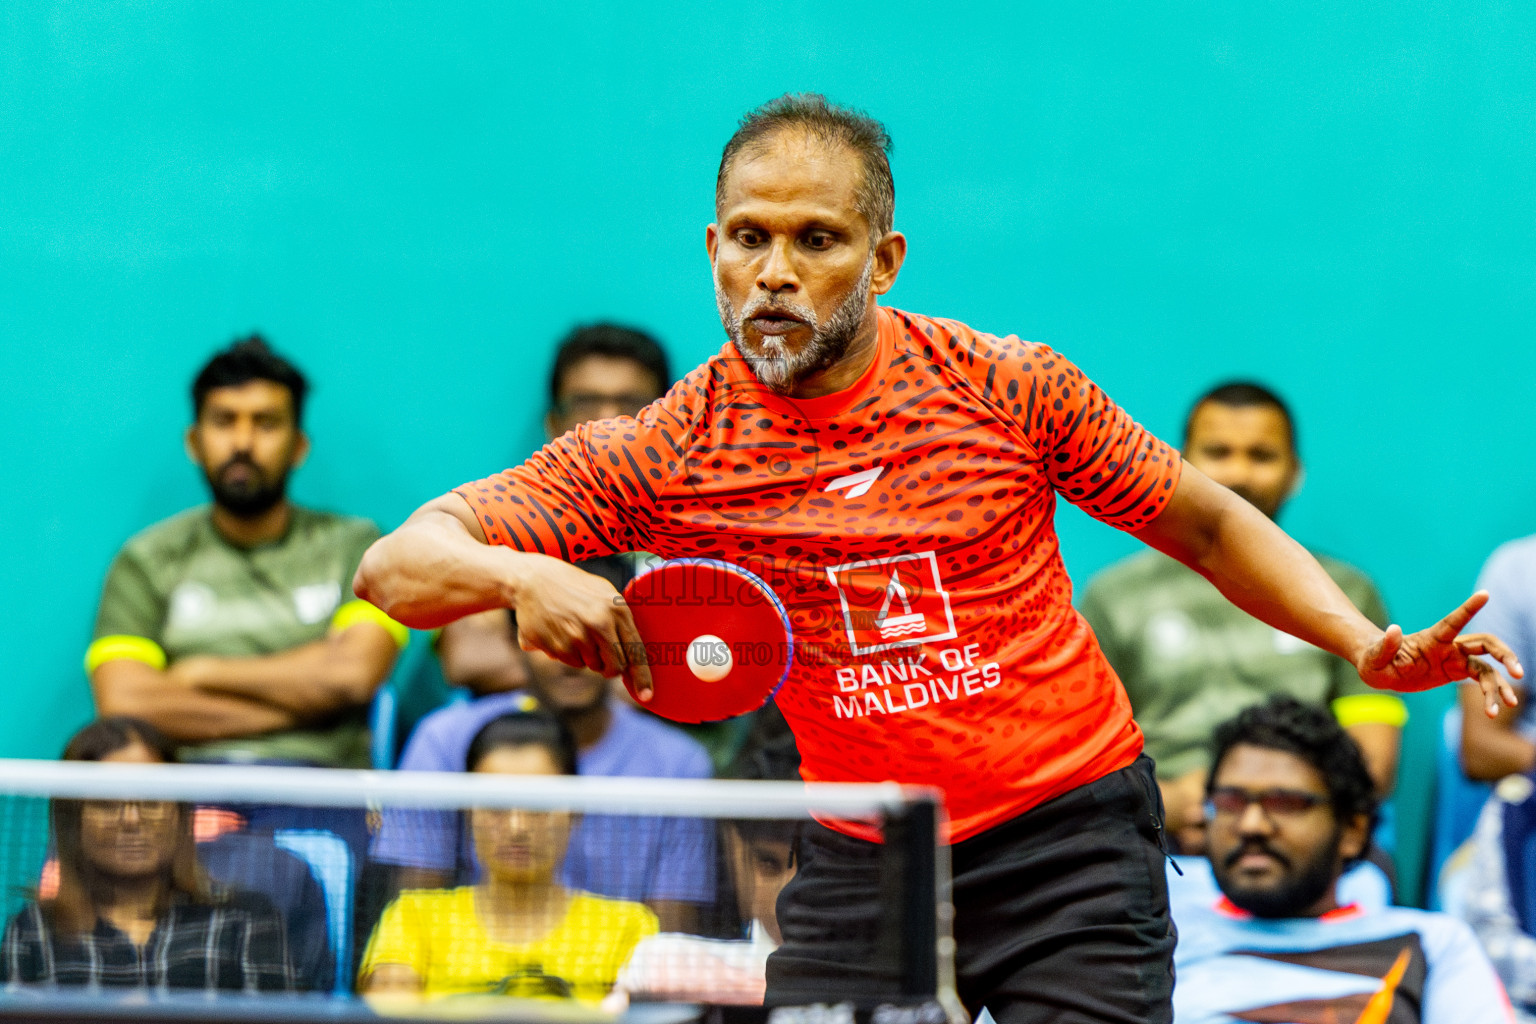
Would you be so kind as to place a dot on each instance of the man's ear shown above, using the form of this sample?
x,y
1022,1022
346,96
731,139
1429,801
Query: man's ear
x,y
890,253
1354,837
300,450
712,241
1298,478
551,426
193,446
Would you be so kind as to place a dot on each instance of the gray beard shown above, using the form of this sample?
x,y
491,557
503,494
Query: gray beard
x,y
774,364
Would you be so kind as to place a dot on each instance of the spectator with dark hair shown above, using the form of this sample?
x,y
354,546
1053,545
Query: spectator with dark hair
x,y
601,371
132,906
521,929
236,860
1291,805
760,858
233,627
664,862
1189,658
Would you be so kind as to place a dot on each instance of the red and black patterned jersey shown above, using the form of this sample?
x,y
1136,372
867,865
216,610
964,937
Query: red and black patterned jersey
x,y
907,524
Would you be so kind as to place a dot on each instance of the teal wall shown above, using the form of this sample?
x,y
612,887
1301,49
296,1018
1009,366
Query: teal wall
x,y
414,199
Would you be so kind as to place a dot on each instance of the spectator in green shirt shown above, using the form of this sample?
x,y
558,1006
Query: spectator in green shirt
x,y
232,627
1191,660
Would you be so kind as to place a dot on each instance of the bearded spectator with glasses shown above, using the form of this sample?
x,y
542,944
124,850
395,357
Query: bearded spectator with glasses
x,y
1290,806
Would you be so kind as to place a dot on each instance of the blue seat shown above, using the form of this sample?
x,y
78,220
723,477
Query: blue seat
x,y
1457,801
330,860
383,722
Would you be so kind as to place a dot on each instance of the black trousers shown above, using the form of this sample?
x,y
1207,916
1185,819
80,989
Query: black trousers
x,y
1061,914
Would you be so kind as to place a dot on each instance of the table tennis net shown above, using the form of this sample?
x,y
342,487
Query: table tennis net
x,y
432,887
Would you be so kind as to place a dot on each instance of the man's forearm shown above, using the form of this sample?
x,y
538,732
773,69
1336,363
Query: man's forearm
x,y
311,682
1379,744
182,713
433,569
1258,567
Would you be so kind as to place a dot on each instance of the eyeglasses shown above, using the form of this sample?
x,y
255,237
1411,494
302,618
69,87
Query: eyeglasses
x,y
584,405
149,811
1233,801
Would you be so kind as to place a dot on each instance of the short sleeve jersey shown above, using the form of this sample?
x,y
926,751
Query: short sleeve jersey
x,y
1190,659
907,524
181,586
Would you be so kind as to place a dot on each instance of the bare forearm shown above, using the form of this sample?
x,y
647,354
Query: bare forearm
x,y
1258,567
1379,745
1491,748
310,682
182,713
433,569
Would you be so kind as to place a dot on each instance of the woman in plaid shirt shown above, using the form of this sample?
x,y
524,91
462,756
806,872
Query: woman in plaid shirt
x,y
133,908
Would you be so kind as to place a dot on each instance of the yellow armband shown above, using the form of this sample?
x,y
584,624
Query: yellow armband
x,y
1370,709
122,647
355,611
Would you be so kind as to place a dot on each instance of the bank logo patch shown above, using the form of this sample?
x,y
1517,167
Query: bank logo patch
x,y
893,602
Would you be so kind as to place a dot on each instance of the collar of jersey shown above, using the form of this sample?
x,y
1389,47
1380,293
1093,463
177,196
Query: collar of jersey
x,y
838,402
1229,909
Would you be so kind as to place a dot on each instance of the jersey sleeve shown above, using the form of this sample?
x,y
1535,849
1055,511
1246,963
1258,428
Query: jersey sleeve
x,y
130,618
1095,455
587,493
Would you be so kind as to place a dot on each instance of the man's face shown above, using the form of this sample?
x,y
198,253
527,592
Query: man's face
x,y
795,268
562,688
247,442
1247,448
1283,860
599,387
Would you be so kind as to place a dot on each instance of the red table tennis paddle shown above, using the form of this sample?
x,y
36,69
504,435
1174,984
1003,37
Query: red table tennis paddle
x,y
716,635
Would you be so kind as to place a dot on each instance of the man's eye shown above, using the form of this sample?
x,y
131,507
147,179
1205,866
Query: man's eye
x,y
819,240
749,238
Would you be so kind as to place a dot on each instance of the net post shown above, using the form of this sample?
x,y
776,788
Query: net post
x,y
915,832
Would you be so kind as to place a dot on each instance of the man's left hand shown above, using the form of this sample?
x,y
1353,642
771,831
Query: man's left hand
x,y
1442,654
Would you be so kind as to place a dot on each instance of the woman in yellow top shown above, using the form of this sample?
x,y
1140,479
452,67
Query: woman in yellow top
x,y
517,932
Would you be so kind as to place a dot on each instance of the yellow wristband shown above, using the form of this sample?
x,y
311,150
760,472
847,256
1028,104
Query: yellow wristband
x,y
122,647
355,611
1370,709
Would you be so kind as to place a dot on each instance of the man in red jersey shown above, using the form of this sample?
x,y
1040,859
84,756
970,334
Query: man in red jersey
x,y
894,478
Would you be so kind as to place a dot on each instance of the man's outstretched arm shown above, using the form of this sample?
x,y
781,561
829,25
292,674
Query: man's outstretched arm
x,y
437,567
1271,577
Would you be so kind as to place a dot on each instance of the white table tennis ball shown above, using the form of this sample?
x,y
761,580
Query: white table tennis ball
x,y
709,658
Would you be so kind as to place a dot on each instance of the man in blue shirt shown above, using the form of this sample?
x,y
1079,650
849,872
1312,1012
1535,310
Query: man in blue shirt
x,y
1291,805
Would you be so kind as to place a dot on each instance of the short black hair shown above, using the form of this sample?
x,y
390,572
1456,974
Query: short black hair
x,y
812,113
612,341
1244,394
245,360
528,726
1311,733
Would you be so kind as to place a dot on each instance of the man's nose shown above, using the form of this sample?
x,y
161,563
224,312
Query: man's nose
x,y
778,273
1254,821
